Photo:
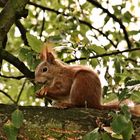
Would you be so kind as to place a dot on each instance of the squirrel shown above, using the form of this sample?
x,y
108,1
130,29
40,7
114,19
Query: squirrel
x,y
69,86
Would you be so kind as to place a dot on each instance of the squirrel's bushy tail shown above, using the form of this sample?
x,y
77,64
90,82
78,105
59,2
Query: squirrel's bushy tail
x,y
134,108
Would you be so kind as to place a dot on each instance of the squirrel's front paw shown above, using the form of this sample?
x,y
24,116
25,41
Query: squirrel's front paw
x,y
41,93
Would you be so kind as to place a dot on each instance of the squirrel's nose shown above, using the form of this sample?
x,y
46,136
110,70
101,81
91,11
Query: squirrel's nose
x,y
39,81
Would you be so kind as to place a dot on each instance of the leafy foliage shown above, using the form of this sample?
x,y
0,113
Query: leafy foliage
x,y
93,135
34,43
17,118
122,124
121,127
11,127
11,131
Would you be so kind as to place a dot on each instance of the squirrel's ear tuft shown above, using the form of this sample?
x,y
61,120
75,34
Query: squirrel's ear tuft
x,y
46,49
47,53
44,53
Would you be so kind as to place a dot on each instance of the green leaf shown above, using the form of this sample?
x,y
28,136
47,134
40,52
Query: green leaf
x,y
98,49
128,132
17,118
29,56
122,124
119,124
136,96
124,94
117,65
117,10
10,131
23,53
55,38
127,16
133,32
134,54
93,135
94,62
126,112
105,136
132,82
117,78
34,42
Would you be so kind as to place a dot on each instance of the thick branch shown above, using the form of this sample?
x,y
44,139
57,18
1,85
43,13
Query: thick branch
x,y
46,123
22,31
3,2
95,3
3,46
8,15
16,62
103,55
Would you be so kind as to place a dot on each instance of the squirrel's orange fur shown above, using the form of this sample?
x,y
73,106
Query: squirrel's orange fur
x,y
69,86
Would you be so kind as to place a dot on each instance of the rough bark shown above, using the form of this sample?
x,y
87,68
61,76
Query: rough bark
x,y
17,63
41,123
12,11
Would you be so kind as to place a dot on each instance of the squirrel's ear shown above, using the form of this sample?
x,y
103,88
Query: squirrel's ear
x,y
47,52
50,58
44,54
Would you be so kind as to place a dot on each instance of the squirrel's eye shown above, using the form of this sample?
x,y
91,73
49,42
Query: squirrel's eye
x,y
44,69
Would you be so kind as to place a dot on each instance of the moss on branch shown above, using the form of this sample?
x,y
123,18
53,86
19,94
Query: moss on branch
x,y
43,123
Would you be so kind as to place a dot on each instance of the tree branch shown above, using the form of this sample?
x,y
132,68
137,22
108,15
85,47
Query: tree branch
x,y
19,95
43,24
3,2
52,123
13,77
22,31
17,63
95,3
91,27
3,47
45,8
103,55
132,60
8,16
6,94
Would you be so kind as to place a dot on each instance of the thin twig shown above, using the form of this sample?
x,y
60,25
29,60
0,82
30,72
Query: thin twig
x,y
13,77
19,95
44,8
91,27
103,55
78,2
6,94
43,23
132,60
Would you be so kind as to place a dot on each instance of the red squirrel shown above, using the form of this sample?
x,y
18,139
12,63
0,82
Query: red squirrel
x,y
69,86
